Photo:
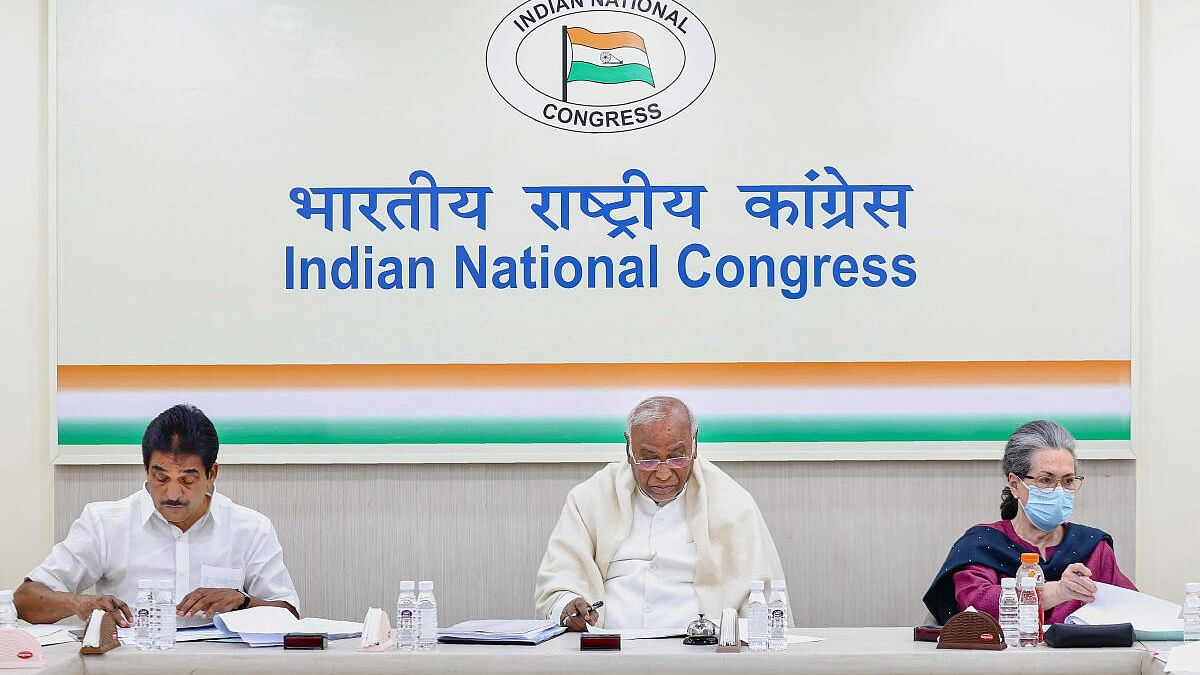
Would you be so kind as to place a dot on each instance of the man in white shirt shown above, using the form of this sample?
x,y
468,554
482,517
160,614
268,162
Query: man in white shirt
x,y
220,556
659,537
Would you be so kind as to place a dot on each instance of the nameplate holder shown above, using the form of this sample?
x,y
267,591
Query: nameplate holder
x,y
728,640
100,634
377,631
600,642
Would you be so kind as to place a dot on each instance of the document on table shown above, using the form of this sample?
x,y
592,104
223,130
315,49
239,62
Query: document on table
x,y
502,631
1152,618
266,626
49,633
192,633
639,633
792,638
1183,659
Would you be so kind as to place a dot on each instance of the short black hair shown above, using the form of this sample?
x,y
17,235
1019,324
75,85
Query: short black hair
x,y
182,429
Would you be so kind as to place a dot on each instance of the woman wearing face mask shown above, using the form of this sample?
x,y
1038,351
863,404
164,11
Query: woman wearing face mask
x,y
1039,464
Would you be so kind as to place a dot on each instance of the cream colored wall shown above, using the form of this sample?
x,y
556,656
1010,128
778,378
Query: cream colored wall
x,y
26,496
1168,356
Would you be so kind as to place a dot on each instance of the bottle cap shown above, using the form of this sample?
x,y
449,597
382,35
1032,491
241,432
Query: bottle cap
x,y
6,596
407,585
1028,582
1030,558
425,586
1008,582
756,585
778,585
1193,587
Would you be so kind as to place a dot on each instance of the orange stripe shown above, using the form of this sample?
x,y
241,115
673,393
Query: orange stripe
x,y
592,375
585,37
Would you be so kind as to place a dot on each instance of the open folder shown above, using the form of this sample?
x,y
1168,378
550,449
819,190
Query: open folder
x,y
502,631
1152,618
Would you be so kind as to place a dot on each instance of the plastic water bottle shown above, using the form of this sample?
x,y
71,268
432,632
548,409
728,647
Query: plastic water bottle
x,y
406,618
143,606
757,625
162,617
1027,612
427,624
1009,621
1030,568
8,611
1191,612
777,616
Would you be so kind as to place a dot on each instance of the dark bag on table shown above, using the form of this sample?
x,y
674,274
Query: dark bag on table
x,y
1065,635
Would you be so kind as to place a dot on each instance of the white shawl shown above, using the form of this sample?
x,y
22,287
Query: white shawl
x,y
733,544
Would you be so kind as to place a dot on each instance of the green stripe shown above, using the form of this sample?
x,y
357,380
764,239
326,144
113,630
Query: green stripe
x,y
583,71
401,431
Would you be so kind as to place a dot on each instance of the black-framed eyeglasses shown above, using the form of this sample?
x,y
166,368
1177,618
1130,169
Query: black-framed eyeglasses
x,y
1048,483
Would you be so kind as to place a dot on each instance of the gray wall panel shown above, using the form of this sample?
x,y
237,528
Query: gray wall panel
x,y
859,540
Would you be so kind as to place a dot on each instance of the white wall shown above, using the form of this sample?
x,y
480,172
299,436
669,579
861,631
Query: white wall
x,y
1168,358
1168,354
25,477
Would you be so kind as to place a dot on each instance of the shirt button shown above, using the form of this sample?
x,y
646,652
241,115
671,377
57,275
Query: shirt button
x,y
648,608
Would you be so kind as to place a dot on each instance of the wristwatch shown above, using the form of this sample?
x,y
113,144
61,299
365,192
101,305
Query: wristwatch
x,y
246,602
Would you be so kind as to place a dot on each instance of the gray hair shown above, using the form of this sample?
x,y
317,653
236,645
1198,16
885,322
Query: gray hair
x,y
656,409
1018,454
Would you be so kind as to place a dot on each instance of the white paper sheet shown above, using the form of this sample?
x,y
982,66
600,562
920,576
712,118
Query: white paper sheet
x,y
792,638
1114,604
266,626
639,633
1184,659
49,633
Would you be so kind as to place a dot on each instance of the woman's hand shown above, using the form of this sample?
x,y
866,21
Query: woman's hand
x,y
1076,584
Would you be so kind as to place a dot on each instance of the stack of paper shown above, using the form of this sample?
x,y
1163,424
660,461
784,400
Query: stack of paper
x,y
1152,618
502,631
266,626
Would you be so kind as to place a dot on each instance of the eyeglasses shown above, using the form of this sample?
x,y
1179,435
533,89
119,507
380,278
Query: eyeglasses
x,y
671,462
1048,483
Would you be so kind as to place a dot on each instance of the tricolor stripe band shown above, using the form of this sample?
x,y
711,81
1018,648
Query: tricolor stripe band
x,y
585,403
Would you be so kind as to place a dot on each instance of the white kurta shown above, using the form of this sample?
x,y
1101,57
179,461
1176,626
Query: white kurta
x,y
649,582
596,530
114,544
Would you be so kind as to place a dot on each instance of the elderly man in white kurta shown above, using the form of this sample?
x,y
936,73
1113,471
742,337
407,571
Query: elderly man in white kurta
x,y
659,537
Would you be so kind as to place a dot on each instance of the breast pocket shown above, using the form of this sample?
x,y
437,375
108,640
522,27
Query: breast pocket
x,y
212,576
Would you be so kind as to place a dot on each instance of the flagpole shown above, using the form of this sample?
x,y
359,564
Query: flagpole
x,y
564,62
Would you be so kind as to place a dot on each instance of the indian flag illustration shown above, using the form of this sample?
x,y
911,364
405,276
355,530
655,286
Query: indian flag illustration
x,y
607,58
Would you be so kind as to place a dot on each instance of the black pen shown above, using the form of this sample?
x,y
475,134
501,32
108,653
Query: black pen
x,y
591,608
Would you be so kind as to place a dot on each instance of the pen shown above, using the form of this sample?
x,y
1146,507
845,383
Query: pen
x,y
591,608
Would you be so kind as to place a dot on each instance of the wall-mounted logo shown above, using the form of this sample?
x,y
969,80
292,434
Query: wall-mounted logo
x,y
600,66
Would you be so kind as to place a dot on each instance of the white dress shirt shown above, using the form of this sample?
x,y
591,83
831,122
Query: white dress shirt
x,y
114,544
649,581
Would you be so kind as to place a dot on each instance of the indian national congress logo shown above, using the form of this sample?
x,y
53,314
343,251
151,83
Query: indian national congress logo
x,y
600,65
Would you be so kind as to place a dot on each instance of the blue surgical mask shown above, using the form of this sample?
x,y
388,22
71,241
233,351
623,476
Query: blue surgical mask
x,y
1049,509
